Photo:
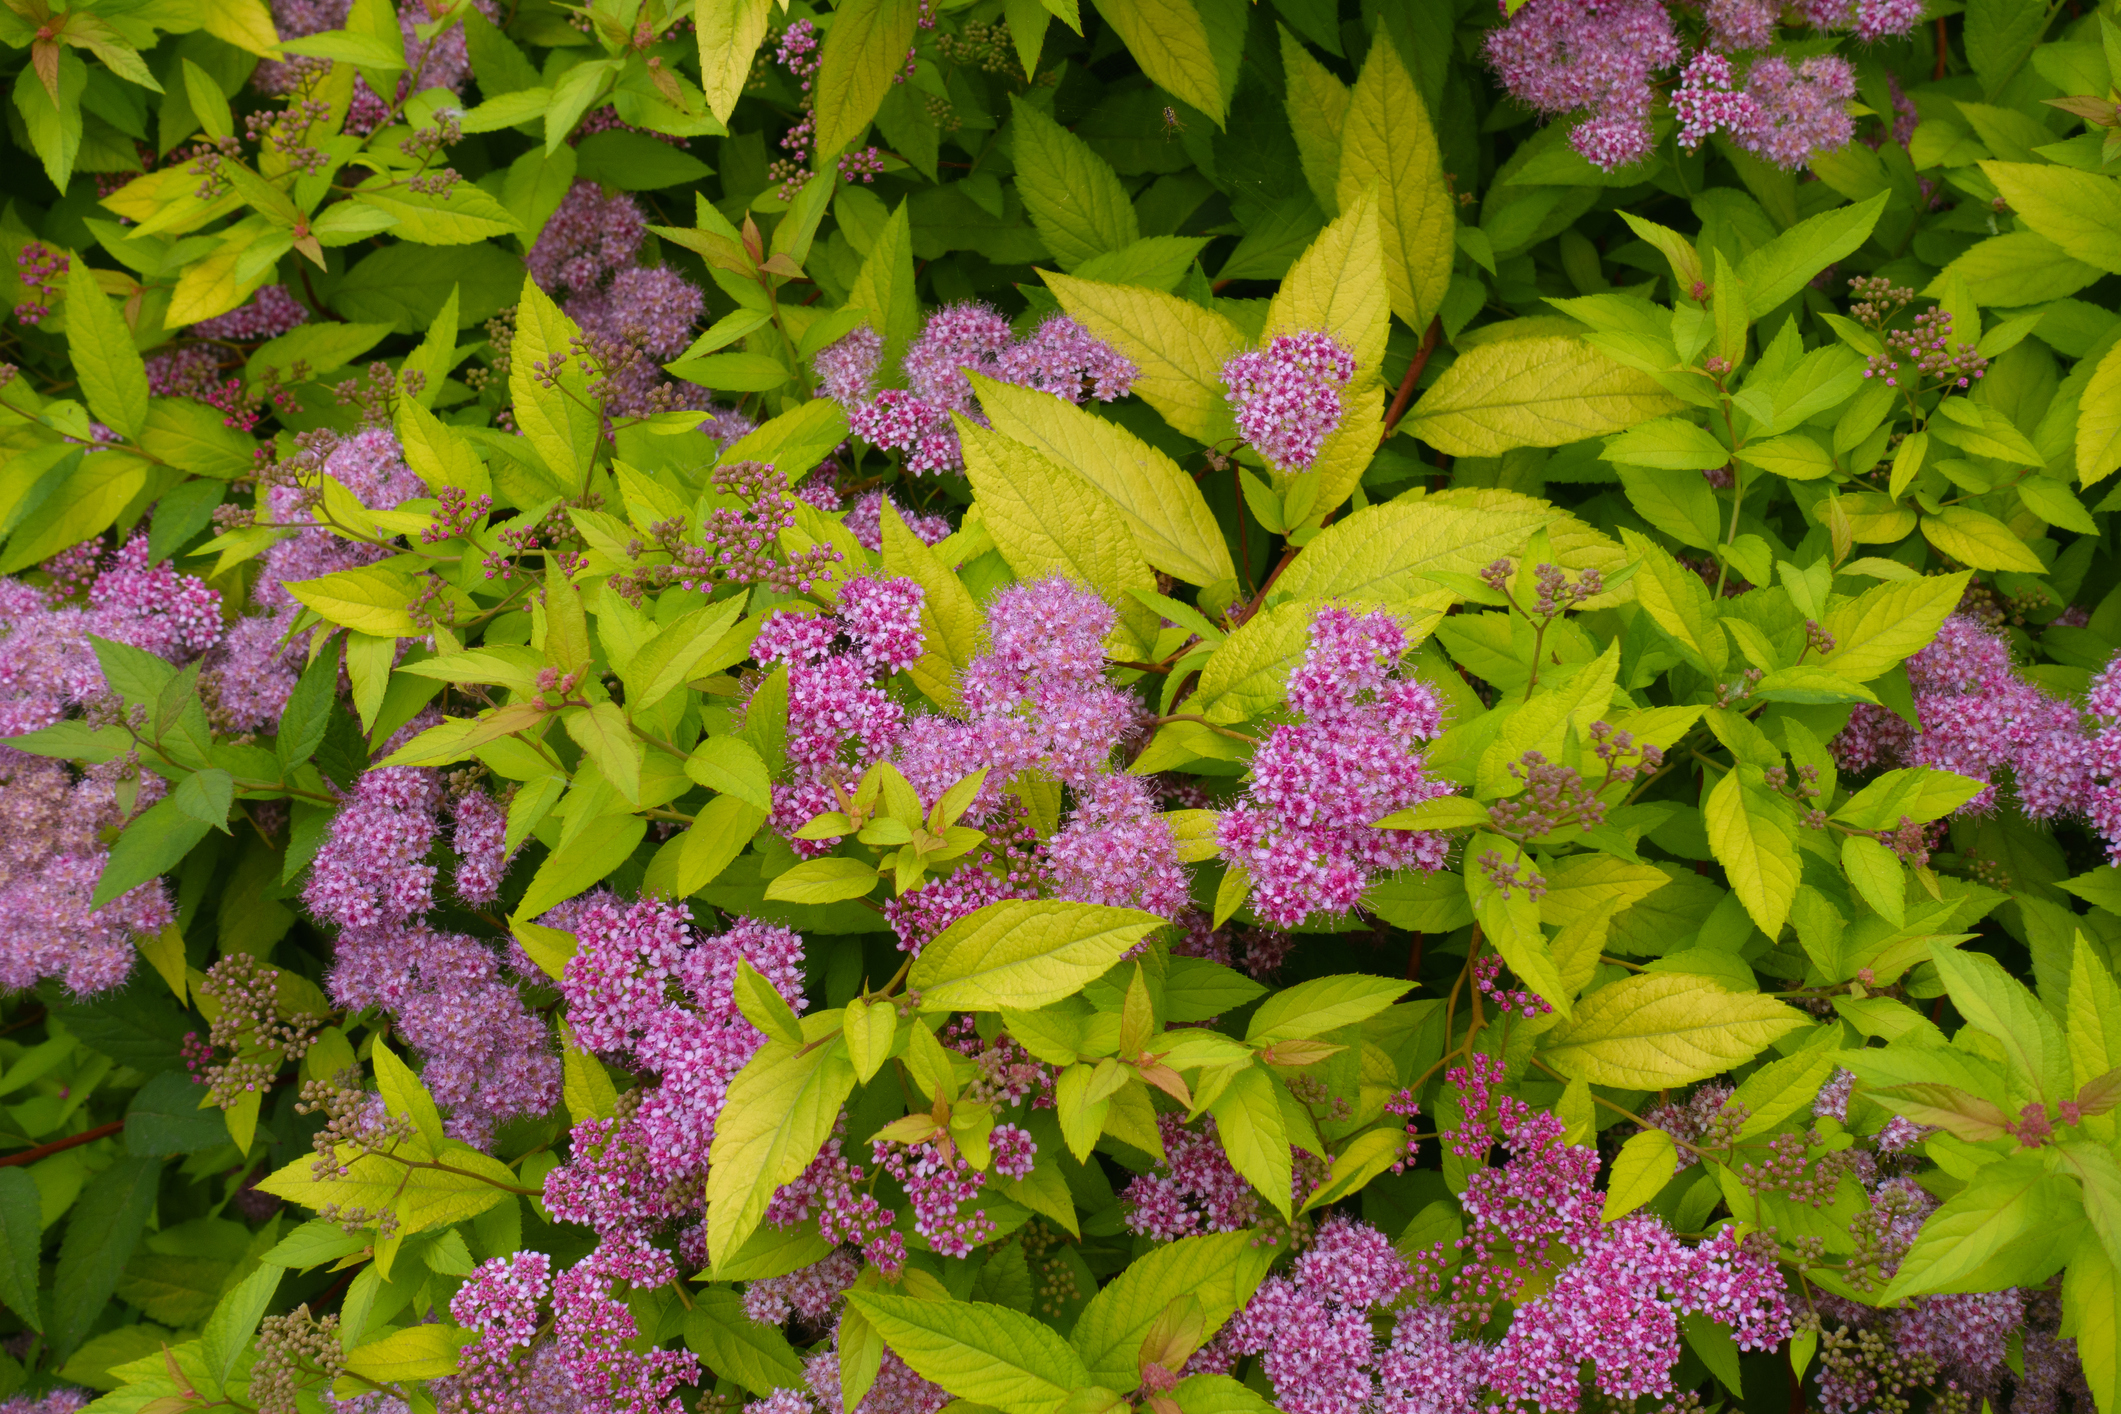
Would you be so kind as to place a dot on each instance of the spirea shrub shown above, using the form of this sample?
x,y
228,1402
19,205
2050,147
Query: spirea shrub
x,y
897,706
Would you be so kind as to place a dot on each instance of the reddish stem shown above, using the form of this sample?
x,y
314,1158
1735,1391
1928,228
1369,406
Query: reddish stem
x,y
1405,394
30,1156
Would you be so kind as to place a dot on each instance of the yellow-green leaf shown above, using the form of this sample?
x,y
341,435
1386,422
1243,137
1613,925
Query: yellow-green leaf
x,y
1338,286
1169,39
1535,392
101,352
1389,144
1179,347
1023,954
1752,835
1979,541
863,51
1047,520
1170,518
1644,1165
729,34
1658,1029
369,600
781,1109
557,418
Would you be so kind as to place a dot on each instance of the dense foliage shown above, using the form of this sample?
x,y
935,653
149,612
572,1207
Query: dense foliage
x,y
1338,706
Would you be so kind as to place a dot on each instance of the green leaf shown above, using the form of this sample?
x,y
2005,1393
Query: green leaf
x,y
1979,540
716,836
636,162
1222,1271
1538,391
1877,877
1073,196
605,738
1753,836
105,1226
863,52
735,1347
2099,421
1317,105
83,506
1785,1086
164,1118
151,845
2078,211
372,600
21,1233
2091,1314
1917,793
1775,271
1388,142
2014,1224
986,1354
1642,1168
235,1320
100,348
871,1028
732,766
1667,444
781,1108
763,1005
1321,1005
1023,954
1658,1029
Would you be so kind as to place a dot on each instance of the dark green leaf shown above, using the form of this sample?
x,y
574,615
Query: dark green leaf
x,y
100,1237
165,1118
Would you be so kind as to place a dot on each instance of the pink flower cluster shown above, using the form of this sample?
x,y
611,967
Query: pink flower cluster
x,y
487,1057
1615,1303
645,987
1059,357
1286,396
1194,1190
1304,826
2100,761
1599,58
1979,718
865,518
840,722
441,62
249,679
53,824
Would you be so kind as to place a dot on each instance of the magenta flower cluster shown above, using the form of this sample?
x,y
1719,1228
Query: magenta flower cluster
x,y
1286,396
1303,829
1059,357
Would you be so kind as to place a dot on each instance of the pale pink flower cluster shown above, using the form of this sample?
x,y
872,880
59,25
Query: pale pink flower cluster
x,y
1286,396
1979,719
441,62
2101,759
1594,57
812,1293
1059,357
1303,828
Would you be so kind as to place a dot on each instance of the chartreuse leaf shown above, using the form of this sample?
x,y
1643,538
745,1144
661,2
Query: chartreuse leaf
x,y
986,1354
1179,348
729,33
1338,286
1389,144
863,50
557,418
2078,211
1775,271
2014,1224
234,1320
1658,1029
951,625
1885,625
1047,520
1753,836
101,350
1317,105
1023,954
1999,1004
471,1183
1321,1005
414,1353
781,1109
1170,518
2091,1314
1169,39
1221,1270
403,1094
1785,1086
1539,391
1917,793
1641,1170
1249,1118
1678,602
